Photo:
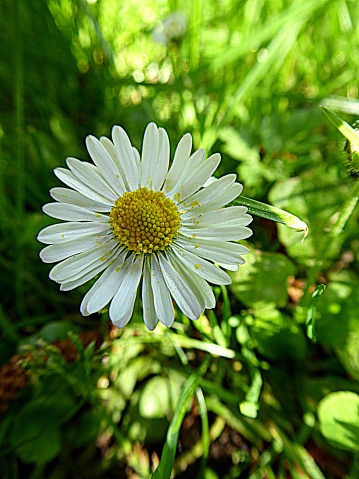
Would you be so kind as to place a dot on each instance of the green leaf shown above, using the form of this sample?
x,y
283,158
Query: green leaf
x,y
35,435
316,198
276,336
338,415
337,316
251,285
345,129
86,429
165,466
159,396
272,213
319,290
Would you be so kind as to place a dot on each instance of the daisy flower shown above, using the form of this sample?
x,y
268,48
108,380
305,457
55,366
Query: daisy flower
x,y
133,218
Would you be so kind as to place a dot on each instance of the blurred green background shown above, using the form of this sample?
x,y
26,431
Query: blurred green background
x,y
246,78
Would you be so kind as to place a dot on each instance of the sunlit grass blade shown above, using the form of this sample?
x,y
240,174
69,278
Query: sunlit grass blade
x,y
339,103
205,429
299,11
310,323
250,429
165,466
216,330
186,342
272,213
345,129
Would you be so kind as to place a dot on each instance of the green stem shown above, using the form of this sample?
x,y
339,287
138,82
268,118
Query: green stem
x,y
19,117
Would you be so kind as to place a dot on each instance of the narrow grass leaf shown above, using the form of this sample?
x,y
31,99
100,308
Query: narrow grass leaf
x,y
310,323
165,466
341,125
205,430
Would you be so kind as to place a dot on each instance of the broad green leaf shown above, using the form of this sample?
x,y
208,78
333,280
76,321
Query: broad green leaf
x,y
338,415
41,450
159,396
35,436
85,429
263,279
276,336
337,315
136,370
316,199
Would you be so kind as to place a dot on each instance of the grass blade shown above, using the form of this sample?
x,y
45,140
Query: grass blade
x,y
319,290
344,127
165,466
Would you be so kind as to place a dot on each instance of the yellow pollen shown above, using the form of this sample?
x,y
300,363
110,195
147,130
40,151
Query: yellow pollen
x,y
144,220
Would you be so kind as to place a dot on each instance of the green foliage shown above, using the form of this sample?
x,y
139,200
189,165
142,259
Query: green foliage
x,y
245,391
338,415
262,280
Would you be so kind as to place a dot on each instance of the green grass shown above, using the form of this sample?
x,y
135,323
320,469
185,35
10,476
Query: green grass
x,y
247,80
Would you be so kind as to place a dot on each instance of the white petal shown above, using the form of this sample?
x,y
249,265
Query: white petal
x,y
210,180
163,159
137,158
149,313
72,181
161,296
235,248
77,265
69,212
89,175
194,161
67,196
105,287
226,197
203,268
105,164
208,252
149,154
63,232
230,267
198,285
180,291
242,221
198,177
73,283
215,217
228,233
209,193
126,158
182,153
111,150
121,306
58,252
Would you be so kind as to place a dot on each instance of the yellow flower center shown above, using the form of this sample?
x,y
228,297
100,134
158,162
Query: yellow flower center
x,y
145,220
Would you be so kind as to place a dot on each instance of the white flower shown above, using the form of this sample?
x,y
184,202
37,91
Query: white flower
x,y
173,28
133,218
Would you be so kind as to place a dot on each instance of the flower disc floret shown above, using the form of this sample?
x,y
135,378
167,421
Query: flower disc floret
x,y
145,221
